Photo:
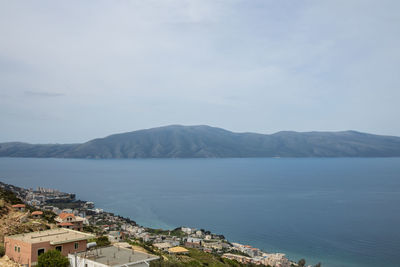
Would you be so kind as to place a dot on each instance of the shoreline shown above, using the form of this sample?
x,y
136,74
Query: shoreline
x,y
198,237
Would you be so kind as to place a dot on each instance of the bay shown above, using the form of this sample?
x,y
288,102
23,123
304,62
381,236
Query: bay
x,y
338,211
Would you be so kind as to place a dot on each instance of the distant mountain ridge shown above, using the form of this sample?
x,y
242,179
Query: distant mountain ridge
x,y
176,141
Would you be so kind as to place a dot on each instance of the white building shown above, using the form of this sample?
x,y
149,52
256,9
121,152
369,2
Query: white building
x,y
111,256
186,230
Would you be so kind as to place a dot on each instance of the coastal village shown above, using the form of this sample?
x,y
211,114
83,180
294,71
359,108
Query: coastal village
x,y
79,228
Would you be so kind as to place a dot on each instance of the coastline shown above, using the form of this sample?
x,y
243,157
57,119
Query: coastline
x,y
187,236
276,191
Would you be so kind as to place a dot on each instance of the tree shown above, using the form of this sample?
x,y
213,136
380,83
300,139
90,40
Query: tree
x,y
52,258
318,264
102,241
302,262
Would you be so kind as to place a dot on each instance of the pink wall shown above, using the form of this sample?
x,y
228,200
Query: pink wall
x,y
28,252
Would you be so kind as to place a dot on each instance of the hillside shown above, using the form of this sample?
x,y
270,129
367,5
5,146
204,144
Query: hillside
x,y
16,222
206,142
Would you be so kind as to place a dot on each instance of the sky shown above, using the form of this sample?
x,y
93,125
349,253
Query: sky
x,y
71,71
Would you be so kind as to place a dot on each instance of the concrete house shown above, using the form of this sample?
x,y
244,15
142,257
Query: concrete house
x,y
70,221
115,236
25,248
164,246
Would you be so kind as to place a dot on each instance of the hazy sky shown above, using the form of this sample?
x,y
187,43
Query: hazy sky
x,y
74,70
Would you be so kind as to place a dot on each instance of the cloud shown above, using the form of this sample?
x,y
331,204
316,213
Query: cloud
x,y
255,65
42,94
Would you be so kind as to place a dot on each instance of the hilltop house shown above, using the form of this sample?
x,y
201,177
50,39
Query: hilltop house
x,y
70,221
193,242
164,246
19,207
115,236
37,214
25,248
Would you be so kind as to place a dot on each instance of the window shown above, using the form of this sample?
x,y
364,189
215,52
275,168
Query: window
x,y
76,245
40,251
19,249
15,248
59,248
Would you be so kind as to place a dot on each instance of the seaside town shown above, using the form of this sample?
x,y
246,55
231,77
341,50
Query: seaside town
x,y
81,227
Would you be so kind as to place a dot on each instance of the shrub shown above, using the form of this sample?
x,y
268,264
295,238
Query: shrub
x,y
102,241
52,258
2,250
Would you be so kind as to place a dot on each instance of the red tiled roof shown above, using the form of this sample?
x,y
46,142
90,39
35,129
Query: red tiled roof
x,y
65,224
38,212
19,206
64,215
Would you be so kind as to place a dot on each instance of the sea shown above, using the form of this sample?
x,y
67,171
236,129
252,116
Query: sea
x,y
337,211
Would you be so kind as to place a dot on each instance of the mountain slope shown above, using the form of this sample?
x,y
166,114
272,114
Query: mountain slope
x,y
204,141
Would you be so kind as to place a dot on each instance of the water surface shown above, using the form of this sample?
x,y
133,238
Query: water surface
x,y
342,212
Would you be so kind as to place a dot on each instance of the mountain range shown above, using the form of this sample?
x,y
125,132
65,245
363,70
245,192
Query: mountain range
x,y
202,141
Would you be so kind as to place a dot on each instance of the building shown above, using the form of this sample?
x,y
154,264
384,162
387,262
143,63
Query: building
x,y
199,233
89,205
239,258
111,256
213,245
37,214
70,221
19,207
178,250
276,259
116,236
25,248
186,230
163,246
193,242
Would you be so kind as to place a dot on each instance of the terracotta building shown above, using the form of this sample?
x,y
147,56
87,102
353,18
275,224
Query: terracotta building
x,y
19,207
70,221
25,248
37,214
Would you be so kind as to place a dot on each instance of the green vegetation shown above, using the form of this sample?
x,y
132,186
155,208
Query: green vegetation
x,y
2,250
101,241
52,258
176,232
146,245
195,258
237,252
302,263
49,216
183,142
93,229
67,205
9,197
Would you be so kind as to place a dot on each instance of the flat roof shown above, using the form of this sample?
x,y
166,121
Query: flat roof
x,y
54,236
114,256
178,250
162,245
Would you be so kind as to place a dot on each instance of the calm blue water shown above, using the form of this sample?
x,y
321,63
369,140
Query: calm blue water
x,y
342,212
